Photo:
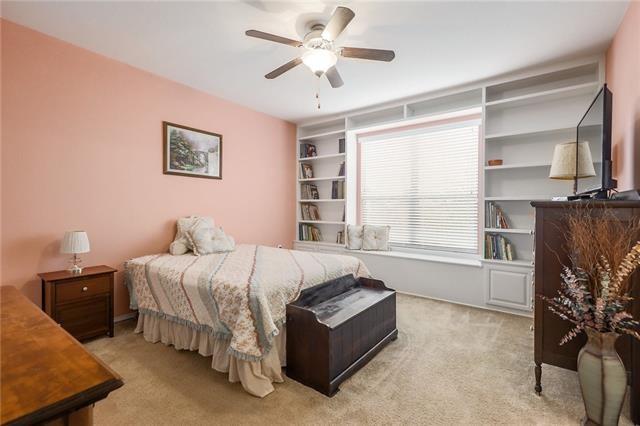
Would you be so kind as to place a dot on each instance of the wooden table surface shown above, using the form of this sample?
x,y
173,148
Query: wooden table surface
x,y
44,371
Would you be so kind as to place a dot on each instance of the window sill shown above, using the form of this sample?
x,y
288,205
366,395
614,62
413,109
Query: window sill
x,y
452,259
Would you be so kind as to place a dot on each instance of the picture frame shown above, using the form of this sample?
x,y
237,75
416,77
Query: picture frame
x,y
191,152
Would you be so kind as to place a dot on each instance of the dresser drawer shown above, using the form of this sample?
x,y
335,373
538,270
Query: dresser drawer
x,y
81,288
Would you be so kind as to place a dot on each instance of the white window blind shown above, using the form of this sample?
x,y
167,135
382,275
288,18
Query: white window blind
x,y
424,184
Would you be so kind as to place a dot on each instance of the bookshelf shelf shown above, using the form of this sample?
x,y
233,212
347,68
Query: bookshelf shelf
x,y
321,157
517,166
321,179
322,222
520,198
320,243
509,231
546,95
321,135
323,200
527,263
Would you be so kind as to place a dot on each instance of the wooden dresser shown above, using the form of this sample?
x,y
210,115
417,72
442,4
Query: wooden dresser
x,y
81,303
45,373
550,256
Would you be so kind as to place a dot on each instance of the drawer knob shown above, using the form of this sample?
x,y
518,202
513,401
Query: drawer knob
x,y
85,288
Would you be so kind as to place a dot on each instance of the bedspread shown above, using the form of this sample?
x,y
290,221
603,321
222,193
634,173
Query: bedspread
x,y
239,295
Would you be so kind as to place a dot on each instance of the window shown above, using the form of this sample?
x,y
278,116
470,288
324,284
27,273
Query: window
x,y
424,184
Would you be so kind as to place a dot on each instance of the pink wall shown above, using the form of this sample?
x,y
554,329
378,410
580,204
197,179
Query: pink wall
x,y
82,149
623,78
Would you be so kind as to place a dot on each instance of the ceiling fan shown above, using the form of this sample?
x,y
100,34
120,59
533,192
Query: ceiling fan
x,y
320,53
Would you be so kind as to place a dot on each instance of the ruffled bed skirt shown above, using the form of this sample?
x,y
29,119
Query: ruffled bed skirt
x,y
256,376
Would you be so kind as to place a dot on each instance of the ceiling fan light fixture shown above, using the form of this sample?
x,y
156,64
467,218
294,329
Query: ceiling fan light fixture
x,y
319,60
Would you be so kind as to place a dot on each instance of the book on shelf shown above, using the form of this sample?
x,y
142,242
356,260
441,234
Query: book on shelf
x,y
337,189
498,247
341,171
341,145
306,171
495,217
309,232
310,211
340,237
309,191
308,150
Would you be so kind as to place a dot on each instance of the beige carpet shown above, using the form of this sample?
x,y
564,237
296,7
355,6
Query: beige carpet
x,y
450,365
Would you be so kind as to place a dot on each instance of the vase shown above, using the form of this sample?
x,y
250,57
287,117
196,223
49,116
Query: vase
x,y
603,379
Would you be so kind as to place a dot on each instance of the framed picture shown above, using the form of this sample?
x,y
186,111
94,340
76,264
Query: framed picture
x,y
191,152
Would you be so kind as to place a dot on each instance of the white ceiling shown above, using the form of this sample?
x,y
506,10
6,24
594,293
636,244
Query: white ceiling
x,y
437,44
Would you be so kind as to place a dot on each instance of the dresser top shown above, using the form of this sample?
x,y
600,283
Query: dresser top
x,y
44,371
86,272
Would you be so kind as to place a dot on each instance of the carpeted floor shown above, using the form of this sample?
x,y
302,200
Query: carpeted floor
x,y
450,365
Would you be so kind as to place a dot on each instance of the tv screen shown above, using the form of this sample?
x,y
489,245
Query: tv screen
x,y
594,134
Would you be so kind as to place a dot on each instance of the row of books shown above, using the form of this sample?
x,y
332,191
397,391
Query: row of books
x,y
337,190
310,211
496,217
309,233
498,247
309,191
340,237
341,171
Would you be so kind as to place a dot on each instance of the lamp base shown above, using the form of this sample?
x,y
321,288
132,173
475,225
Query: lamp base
x,y
75,269
75,265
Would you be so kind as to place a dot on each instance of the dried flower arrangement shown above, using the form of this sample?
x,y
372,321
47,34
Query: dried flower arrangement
x,y
596,290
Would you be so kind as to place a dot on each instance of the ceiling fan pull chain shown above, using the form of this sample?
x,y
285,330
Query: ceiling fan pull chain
x,y
316,83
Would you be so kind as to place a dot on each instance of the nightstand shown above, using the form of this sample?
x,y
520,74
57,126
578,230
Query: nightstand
x,y
81,303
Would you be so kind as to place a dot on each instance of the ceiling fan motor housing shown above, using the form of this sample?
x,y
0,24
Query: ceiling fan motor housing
x,y
314,40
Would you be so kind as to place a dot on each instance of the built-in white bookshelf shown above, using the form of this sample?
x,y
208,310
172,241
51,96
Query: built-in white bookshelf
x,y
524,119
326,161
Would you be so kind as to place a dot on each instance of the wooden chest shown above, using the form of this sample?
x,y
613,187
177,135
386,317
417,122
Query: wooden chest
x,y
335,328
81,303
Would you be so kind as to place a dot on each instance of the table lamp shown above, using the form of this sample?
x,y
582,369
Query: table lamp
x,y
75,242
563,165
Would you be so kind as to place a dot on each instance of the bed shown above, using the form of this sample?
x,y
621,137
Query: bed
x,y
230,306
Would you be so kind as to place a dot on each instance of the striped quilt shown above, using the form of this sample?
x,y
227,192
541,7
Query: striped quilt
x,y
240,295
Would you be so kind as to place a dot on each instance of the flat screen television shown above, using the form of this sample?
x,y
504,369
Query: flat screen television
x,y
595,129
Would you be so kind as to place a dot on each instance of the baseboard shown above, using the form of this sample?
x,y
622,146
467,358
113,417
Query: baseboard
x,y
486,308
124,317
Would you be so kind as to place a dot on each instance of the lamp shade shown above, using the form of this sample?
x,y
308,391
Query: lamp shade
x,y
75,242
563,165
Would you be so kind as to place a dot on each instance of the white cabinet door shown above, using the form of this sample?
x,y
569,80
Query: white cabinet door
x,y
508,286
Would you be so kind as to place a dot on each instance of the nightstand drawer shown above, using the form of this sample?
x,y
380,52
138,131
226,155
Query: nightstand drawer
x,y
85,318
79,289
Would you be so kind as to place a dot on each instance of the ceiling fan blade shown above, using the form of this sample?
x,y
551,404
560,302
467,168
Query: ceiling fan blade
x,y
284,68
338,22
334,77
371,54
273,37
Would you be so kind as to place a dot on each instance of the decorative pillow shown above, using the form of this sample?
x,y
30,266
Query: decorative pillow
x,y
200,239
354,237
375,237
221,242
181,244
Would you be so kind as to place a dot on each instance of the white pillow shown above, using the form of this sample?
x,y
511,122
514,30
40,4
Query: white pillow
x,y
181,244
221,242
354,237
375,237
